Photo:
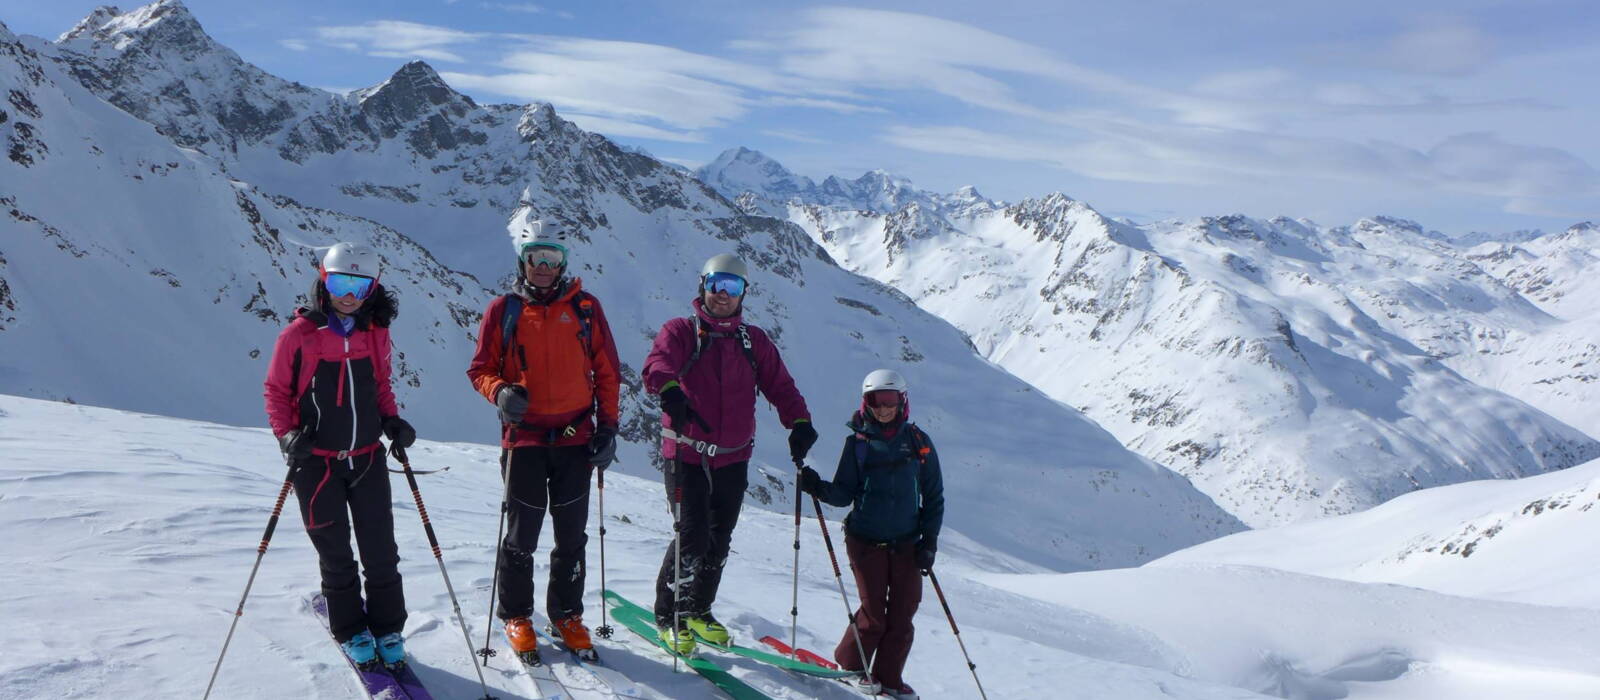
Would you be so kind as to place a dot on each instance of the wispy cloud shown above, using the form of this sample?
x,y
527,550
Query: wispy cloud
x,y
523,7
397,39
294,44
795,136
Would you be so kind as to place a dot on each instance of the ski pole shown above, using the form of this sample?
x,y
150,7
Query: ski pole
x,y
261,551
399,454
677,555
604,630
499,547
794,600
839,577
952,618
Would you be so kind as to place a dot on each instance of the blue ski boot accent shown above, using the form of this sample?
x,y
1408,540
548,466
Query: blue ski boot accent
x,y
392,648
361,649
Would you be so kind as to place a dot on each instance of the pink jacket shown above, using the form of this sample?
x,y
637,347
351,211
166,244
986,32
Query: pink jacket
x,y
721,385
337,386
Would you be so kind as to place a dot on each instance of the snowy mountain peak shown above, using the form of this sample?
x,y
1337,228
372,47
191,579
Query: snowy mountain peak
x,y
95,20
416,86
164,22
740,170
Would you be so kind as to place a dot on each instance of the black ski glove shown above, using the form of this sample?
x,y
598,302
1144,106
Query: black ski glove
x,y
926,551
296,445
810,481
513,403
801,437
399,432
603,446
675,404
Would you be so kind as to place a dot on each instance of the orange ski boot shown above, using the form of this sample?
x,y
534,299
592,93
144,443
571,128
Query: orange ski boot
x,y
524,639
576,637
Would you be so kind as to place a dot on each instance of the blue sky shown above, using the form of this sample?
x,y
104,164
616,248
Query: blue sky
x,y
1464,115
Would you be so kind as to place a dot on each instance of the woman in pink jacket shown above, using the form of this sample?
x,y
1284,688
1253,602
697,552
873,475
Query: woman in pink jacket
x,y
707,368
329,400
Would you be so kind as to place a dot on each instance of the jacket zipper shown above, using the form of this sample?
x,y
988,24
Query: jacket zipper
x,y
355,420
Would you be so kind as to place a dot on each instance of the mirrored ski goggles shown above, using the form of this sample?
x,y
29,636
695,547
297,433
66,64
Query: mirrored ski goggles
x,y
725,282
551,254
883,398
341,284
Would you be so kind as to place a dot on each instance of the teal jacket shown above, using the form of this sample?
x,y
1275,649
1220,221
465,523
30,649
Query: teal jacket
x,y
892,484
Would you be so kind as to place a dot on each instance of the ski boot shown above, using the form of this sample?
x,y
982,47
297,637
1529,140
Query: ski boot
x,y
362,650
706,628
524,640
904,692
392,649
575,637
681,643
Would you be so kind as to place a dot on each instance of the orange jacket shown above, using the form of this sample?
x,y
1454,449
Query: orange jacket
x,y
568,384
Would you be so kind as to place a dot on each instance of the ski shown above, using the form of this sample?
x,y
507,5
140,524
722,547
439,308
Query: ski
x,y
377,681
783,662
615,683
805,655
632,617
545,684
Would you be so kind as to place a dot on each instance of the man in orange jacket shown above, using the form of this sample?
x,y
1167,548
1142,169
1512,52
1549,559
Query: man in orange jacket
x,y
546,359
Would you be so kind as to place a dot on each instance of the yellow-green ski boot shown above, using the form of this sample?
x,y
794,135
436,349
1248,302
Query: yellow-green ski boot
x,y
706,628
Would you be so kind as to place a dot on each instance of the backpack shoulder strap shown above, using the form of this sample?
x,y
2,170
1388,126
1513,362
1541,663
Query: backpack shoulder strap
x,y
699,342
920,441
583,307
749,348
508,326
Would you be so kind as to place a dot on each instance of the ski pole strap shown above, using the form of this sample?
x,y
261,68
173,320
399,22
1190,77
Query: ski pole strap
x,y
703,448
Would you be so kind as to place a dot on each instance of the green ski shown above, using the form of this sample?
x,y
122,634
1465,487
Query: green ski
x,y
620,603
631,616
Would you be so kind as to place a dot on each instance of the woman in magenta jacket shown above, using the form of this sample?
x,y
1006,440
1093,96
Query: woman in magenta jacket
x,y
329,399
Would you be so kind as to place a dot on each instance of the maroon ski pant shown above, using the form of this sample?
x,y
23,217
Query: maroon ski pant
x,y
891,589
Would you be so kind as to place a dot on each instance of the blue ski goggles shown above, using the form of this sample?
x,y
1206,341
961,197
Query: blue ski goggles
x,y
725,282
551,254
341,284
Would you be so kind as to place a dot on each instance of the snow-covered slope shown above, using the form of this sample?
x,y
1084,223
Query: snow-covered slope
x,y
1291,371
201,286
1527,540
145,536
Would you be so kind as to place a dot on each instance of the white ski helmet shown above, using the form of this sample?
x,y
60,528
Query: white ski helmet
x,y
883,380
546,234
725,262
353,259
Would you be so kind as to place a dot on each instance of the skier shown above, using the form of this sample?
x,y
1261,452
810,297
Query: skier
x,y
328,399
547,360
706,369
889,474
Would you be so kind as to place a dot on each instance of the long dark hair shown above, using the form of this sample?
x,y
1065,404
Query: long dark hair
x,y
379,310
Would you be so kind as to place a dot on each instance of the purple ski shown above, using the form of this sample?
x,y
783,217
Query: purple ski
x,y
379,682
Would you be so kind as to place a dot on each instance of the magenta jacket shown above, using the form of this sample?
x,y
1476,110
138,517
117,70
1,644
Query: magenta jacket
x,y
721,385
336,385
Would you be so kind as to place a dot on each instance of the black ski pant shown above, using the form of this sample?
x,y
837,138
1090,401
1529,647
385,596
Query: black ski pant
x,y
540,479
337,496
891,589
707,513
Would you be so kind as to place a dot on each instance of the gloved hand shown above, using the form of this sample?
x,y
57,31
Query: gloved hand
x,y
603,446
513,403
801,437
810,481
399,432
926,551
296,445
675,404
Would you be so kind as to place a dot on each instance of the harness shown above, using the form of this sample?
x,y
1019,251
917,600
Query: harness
x,y
583,309
701,334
